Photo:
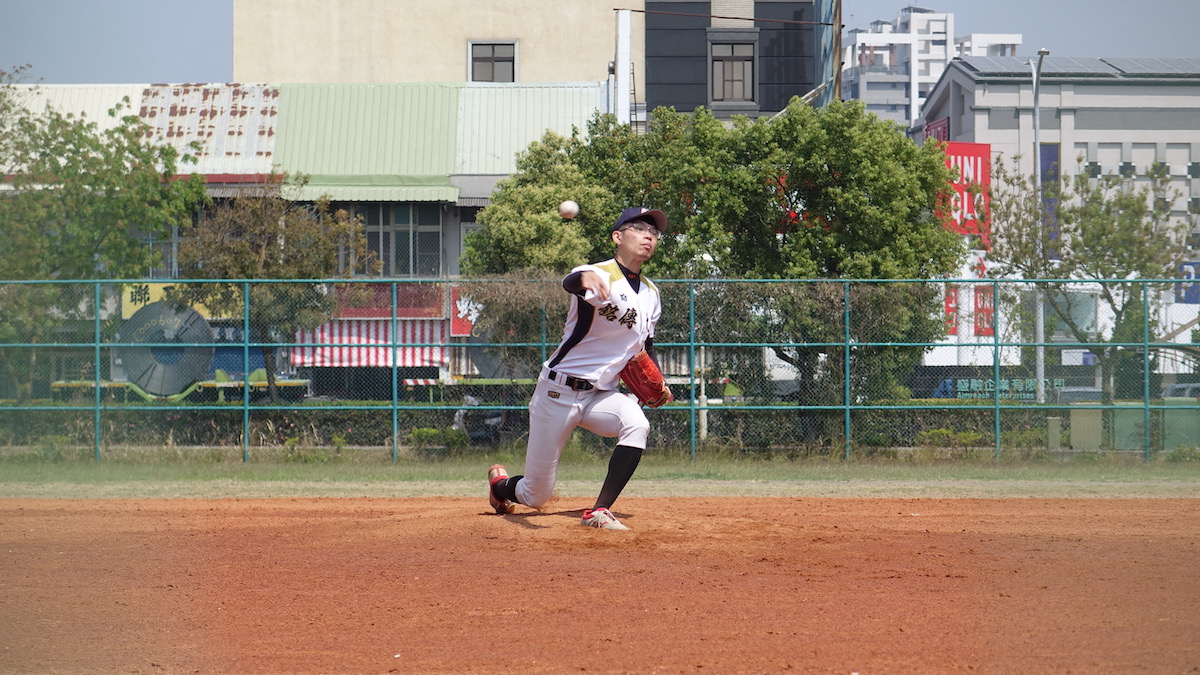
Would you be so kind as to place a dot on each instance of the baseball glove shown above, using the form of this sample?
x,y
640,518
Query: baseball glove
x,y
646,381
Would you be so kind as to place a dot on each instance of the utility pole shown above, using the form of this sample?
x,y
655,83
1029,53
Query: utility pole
x,y
1039,319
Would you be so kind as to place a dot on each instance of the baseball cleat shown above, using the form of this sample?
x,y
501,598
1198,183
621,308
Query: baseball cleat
x,y
495,474
601,518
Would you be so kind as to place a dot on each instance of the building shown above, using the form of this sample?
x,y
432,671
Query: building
x,y
409,115
365,41
703,54
1118,116
893,65
987,44
732,56
416,160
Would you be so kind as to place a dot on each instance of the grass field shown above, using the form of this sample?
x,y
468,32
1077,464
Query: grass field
x,y
170,473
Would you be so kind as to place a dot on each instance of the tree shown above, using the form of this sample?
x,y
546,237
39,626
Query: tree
x,y
1114,231
261,235
83,203
522,229
835,193
830,193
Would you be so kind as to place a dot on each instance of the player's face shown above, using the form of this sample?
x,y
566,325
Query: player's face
x,y
638,241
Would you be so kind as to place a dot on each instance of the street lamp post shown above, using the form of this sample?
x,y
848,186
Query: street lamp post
x,y
1039,319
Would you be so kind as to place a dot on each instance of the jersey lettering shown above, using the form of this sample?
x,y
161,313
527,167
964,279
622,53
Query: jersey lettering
x,y
628,319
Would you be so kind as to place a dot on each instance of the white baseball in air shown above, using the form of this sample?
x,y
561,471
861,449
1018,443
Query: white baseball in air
x,y
568,209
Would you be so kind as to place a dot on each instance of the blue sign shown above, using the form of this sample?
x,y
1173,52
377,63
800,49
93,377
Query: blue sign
x,y
1188,291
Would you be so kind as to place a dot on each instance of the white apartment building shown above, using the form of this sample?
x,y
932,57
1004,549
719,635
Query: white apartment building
x,y
987,44
885,65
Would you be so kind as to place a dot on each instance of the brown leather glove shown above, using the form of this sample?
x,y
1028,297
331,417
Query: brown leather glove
x,y
646,381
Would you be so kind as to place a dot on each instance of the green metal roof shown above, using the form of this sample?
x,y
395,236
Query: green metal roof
x,y
360,142
498,121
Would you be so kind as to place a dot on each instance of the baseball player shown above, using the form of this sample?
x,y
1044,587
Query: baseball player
x,y
611,319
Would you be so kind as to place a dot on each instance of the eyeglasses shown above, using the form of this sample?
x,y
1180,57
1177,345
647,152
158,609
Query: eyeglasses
x,y
641,226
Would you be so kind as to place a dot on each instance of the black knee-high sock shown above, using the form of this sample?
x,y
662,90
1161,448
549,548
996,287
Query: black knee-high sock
x,y
507,488
620,469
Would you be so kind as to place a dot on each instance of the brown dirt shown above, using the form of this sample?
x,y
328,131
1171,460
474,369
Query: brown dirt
x,y
701,585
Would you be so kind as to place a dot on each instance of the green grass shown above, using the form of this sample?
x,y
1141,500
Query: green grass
x,y
168,472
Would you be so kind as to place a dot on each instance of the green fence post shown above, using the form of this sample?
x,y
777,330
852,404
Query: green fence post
x,y
395,380
692,364
1146,372
96,367
846,365
996,367
246,371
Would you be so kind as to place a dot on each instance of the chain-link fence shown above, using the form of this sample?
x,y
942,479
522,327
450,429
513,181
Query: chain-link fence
x,y
368,368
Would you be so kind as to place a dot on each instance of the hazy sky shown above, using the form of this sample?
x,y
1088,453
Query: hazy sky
x,y
1080,28
156,41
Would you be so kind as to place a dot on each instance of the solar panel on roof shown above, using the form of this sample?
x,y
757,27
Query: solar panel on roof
x,y
997,65
1066,65
1148,66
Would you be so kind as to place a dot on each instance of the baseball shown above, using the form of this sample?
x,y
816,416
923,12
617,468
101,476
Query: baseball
x,y
568,209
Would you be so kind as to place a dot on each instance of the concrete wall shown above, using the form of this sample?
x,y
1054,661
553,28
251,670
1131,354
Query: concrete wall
x,y
351,41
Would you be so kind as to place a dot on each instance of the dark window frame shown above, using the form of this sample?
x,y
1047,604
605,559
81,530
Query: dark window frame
x,y
482,60
408,237
732,37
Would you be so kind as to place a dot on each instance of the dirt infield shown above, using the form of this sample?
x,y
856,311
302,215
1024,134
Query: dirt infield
x,y
701,585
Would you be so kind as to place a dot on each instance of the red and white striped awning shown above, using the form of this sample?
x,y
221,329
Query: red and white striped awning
x,y
347,343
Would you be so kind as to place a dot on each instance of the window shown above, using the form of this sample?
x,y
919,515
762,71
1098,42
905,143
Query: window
x,y
407,238
469,219
733,72
493,62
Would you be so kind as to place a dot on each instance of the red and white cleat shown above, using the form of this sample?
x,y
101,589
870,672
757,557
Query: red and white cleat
x,y
495,474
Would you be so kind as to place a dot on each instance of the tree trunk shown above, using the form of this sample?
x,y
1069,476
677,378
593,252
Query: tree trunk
x,y
269,366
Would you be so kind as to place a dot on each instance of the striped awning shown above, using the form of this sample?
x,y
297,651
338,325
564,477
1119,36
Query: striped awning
x,y
368,343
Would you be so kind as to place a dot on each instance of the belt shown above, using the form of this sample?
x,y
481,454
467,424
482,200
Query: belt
x,y
572,382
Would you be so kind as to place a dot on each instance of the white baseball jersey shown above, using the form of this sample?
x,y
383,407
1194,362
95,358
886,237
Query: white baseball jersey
x,y
600,337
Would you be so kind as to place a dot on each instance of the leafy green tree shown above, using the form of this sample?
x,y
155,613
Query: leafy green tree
x,y
1110,233
523,231
85,202
834,193
259,234
82,203
829,193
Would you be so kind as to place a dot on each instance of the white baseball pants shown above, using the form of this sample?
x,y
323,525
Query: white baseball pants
x,y
554,412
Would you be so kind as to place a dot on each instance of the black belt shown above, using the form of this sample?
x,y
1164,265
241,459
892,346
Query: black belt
x,y
573,382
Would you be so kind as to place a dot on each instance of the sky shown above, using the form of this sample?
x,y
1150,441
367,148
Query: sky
x,y
1077,28
173,41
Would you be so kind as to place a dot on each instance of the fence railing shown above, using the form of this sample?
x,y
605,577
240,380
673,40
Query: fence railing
x,y
947,368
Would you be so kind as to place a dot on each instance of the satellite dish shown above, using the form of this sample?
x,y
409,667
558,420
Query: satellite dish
x,y
164,370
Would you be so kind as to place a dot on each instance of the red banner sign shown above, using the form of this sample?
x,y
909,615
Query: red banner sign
x,y
972,164
463,312
985,311
951,310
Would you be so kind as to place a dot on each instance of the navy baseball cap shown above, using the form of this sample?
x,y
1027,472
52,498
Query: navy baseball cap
x,y
642,213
